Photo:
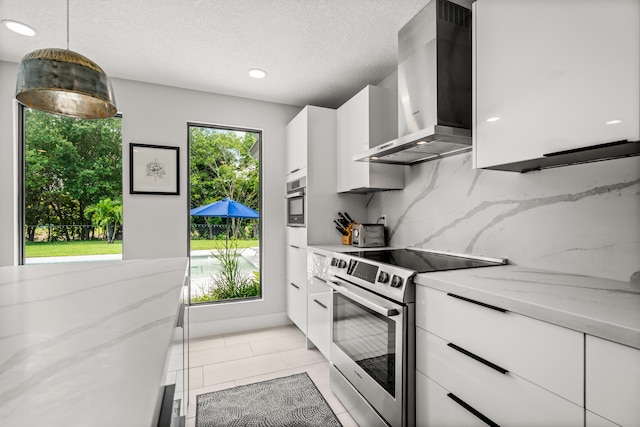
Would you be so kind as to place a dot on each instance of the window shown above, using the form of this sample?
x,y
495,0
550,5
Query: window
x,y
225,214
72,188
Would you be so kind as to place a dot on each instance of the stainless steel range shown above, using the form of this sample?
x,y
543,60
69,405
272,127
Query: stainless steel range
x,y
373,329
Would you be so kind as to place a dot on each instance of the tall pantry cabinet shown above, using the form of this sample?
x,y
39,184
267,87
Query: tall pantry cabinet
x,y
311,153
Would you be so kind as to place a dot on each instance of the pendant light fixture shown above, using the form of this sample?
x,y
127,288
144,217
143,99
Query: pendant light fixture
x,y
63,82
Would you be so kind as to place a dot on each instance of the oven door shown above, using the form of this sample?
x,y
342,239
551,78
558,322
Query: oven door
x,y
367,346
295,209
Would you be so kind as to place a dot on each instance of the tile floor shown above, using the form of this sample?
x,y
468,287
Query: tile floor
x,y
226,361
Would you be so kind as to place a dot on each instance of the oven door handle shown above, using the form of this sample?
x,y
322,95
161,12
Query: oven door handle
x,y
337,286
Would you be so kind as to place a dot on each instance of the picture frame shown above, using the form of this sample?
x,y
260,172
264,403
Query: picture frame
x,y
154,169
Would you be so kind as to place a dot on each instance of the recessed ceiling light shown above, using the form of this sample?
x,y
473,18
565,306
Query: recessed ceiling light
x,y
613,122
19,27
257,73
493,119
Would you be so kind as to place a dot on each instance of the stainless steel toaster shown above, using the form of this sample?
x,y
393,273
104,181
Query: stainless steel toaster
x,y
368,235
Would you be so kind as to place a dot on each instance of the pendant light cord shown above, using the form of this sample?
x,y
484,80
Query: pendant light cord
x,y
67,24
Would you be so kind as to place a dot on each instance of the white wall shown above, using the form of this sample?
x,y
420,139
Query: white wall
x,y
157,226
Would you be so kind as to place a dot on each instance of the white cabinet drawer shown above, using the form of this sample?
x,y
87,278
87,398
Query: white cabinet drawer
x,y
545,354
593,420
435,409
297,266
296,305
317,286
297,236
506,398
613,381
319,321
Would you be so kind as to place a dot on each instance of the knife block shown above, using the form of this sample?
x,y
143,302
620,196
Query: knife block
x,y
346,240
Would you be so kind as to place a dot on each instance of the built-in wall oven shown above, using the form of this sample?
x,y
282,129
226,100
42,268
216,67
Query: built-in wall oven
x,y
373,329
296,202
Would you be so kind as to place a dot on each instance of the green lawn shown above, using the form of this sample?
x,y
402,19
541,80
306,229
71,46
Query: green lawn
x,y
89,247
197,245
98,247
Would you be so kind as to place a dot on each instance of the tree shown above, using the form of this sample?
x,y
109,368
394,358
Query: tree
x,y
107,214
221,166
70,164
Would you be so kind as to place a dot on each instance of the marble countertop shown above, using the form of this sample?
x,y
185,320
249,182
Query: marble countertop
x,y
328,249
604,308
85,344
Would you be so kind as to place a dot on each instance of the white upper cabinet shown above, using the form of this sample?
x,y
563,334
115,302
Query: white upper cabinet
x,y
296,144
368,119
553,75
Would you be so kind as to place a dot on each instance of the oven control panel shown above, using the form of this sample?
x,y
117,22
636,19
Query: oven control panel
x,y
384,279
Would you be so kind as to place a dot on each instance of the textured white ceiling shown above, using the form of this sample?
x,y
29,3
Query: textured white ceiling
x,y
317,52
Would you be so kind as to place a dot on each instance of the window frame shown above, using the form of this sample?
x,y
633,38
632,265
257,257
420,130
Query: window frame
x,y
259,132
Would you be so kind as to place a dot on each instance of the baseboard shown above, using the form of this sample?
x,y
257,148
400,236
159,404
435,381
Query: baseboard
x,y
240,324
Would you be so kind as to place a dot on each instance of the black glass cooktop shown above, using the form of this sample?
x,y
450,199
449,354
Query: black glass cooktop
x,y
422,261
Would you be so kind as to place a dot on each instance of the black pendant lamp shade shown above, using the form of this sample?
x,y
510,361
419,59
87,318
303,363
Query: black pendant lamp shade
x,y
61,81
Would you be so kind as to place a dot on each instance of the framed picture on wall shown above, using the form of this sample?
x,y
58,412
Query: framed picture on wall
x,y
154,169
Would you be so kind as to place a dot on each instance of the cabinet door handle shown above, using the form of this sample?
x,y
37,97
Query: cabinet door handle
x,y
492,307
478,358
294,285
319,303
320,278
590,147
295,170
294,246
473,410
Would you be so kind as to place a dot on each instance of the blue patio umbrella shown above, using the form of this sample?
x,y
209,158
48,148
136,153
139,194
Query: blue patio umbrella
x,y
226,208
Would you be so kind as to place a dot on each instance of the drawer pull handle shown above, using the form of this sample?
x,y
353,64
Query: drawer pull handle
x,y
471,409
319,303
492,307
294,285
478,358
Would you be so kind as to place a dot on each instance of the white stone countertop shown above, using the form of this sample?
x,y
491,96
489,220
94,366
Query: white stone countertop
x,y
328,249
85,344
604,308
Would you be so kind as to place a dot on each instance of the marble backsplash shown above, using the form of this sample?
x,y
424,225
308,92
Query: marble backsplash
x,y
582,219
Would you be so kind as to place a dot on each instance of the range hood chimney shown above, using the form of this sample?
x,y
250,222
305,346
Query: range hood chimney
x,y
434,87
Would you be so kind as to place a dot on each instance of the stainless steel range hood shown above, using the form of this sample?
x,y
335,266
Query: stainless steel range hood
x,y
434,87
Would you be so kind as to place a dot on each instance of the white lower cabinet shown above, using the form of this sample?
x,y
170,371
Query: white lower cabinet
x,y
296,286
296,297
503,398
612,382
499,367
547,355
436,408
319,321
593,420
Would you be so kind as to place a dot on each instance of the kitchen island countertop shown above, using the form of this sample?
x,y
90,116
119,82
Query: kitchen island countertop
x,y
85,344
608,309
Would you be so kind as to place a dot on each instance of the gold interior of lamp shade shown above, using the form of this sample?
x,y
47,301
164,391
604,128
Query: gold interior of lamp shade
x,y
64,82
